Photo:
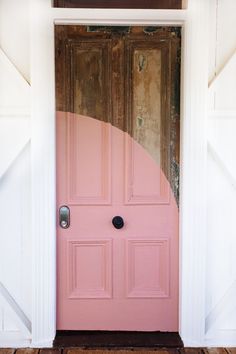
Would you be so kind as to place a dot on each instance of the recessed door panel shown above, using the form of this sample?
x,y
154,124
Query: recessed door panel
x,y
148,268
88,183
146,100
85,280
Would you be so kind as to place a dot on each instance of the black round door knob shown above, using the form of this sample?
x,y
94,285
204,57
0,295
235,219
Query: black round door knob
x,y
118,222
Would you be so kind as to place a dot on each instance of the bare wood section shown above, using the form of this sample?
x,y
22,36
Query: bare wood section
x,y
133,4
90,78
128,76
146,115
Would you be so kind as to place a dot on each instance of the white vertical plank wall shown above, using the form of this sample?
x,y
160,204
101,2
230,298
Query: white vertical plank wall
x,y
221,241
15,192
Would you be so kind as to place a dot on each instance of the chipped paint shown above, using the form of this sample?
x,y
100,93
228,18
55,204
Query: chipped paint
x,y
150,29
121,79
141,63
146,88
109,29
175,124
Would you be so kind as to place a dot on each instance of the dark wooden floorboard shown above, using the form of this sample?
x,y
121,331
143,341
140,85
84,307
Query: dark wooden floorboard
x,y
27,351
231,350
191,351
215,351
7,351
51,351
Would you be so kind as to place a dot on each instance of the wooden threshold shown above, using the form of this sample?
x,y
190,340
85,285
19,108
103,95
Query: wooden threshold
x,y
117,339
131,351
119,4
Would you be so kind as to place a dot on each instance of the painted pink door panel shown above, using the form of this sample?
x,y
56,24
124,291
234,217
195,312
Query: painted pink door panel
x,y
90,184
144,182
111,279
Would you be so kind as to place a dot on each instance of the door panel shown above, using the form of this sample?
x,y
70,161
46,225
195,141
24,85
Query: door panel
x,y
146,100
145,182
82,186
151,281
117,155
85,280
90,77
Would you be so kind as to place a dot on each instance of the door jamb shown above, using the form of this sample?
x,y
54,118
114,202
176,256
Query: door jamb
x,y
194,82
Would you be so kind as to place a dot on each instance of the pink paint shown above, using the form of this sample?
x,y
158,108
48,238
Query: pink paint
x,y
111,279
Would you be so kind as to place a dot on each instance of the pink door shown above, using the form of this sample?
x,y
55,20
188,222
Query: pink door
x,y
117,156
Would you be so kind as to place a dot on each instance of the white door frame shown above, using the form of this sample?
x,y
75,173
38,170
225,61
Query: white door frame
x,y
194,81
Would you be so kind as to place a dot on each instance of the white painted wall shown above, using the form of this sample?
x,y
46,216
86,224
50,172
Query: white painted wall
x,y
221,242
15,240
14,33
15,184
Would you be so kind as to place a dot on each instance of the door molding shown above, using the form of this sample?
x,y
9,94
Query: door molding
x,y
194,82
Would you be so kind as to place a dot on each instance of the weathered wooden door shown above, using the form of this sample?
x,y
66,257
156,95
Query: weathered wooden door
x,y
117,155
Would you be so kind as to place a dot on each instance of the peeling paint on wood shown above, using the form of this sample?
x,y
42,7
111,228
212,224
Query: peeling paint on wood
x,y
150,29
146,87
175,120
128,76
109,29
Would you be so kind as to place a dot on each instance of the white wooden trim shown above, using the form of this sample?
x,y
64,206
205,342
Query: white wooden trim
x,y
221,114
13,112
193,176
225,305
221,70
43,174
13,339
221,165
4,58
119,17
21,319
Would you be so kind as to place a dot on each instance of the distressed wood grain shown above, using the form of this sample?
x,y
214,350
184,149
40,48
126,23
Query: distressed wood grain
x,y
146,115
128,76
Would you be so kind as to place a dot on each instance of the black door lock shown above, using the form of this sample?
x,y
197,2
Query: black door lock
x,y
118,222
